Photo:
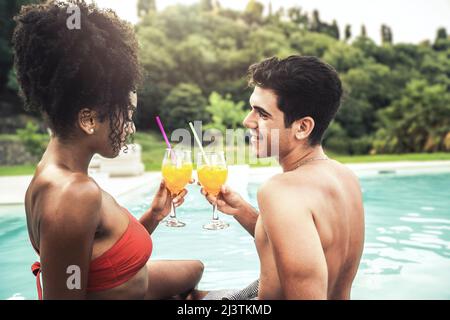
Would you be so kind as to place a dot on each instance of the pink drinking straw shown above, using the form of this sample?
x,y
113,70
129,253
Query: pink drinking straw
x,y
163,132
165,136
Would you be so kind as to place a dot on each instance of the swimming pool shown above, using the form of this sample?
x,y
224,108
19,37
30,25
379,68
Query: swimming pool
x,y
406,254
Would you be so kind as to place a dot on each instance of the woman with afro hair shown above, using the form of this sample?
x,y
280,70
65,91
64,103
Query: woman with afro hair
x,y
83,81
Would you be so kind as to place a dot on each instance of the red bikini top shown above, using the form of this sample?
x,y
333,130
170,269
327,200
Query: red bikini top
x,y
119,263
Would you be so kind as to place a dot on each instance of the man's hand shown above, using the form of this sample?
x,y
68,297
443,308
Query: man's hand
x,y
228,201
231,202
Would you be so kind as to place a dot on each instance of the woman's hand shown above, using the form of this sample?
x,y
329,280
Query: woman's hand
x,y
161,206
162,202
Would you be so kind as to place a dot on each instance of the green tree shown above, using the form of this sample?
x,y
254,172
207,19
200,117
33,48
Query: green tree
x,y
386,34
297,16
352,116
145,6
311,44
178,21
280,13
441,34
224,112
253,12
334,30
315,22
316,25
212,52
417,121
368,46
34,142
335,139
363,32
196,61
344,57
368,88
8,9
157,61
348,32
268,42
184,103
408,55
442,41
435,66
206,5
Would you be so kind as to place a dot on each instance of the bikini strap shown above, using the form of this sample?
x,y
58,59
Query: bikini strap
x,y
36,269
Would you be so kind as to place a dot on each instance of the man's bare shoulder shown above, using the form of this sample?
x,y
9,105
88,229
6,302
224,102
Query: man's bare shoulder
x,y
309,183
283,191
275,184
343,169
289,182
321,175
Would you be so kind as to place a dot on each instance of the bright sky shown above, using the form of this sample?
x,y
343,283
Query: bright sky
x,y
410,20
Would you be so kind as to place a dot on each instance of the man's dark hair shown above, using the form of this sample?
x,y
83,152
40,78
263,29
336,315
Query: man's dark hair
x,y
305,86
62,70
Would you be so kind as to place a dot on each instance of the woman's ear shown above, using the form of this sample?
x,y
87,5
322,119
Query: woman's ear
x,y
87,120
303,128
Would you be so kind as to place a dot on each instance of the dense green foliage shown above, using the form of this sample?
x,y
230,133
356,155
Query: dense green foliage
x,y
396,95
34,142
195,60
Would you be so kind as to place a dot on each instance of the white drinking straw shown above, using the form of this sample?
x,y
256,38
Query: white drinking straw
x,y
199,142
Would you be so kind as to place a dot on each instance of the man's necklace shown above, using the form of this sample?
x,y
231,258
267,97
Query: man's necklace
x,y
310,160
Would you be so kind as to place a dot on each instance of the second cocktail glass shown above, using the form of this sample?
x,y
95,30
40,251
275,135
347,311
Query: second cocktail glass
x,y
212,173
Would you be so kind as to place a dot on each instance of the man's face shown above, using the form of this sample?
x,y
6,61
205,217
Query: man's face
x,y
269,137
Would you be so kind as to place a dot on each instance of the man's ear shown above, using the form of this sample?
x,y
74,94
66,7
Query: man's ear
x,y
87,120
303,128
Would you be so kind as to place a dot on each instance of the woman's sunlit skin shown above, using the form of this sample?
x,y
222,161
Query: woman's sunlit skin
x,y
71,220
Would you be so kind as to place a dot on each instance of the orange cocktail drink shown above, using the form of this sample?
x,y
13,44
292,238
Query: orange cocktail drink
x,y
212,177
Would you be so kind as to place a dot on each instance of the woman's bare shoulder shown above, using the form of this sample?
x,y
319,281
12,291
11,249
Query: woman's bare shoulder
x,y
64,193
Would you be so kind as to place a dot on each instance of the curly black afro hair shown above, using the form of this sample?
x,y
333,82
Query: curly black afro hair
x,y
62,70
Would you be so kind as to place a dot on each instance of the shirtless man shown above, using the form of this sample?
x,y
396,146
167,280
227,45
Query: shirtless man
x,y
309,232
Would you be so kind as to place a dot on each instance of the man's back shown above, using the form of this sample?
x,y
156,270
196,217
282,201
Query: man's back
x,y
328,194
340,223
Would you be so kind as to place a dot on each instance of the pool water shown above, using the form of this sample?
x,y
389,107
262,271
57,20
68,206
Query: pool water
x,y
406,254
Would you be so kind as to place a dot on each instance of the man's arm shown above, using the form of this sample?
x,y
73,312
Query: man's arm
x,y
247,219
297,249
